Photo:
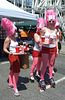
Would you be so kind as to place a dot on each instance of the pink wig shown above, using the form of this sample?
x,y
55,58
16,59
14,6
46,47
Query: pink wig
x,y
40,24
50,15
8,26
57,23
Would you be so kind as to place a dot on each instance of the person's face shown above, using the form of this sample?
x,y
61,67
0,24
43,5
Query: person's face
x,y
14,33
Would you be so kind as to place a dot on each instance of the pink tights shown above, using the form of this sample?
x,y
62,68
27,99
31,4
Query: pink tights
x,y
13,79
36,61
45,59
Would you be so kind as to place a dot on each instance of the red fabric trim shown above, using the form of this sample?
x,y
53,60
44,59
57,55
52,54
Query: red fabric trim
x,y
48,50
15,63
36,53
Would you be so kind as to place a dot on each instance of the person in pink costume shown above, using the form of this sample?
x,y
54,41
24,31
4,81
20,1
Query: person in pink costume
x,y
59,37
37,50
11,43
49,47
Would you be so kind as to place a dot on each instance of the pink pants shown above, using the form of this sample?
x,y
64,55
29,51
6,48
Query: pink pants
x,y
45,59
36,61
13,79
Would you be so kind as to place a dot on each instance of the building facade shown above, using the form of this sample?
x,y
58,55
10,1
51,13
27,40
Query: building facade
x,y
40,7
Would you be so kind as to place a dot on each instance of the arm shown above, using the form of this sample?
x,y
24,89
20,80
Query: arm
x,y
57,51
60,35
42,31
37,38
6,45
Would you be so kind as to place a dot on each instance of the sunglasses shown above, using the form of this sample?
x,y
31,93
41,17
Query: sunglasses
x,y
51,21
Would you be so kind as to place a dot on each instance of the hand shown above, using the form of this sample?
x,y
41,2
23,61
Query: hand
x,y
57,53
40,44
10,53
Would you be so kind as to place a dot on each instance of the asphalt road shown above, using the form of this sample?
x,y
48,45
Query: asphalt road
x,y
31,91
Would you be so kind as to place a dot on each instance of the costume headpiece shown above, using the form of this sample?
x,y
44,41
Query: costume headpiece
x,y
50,15
40,24
57,23
8,26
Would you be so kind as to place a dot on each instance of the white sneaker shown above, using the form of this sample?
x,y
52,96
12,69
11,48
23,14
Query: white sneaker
x,y
53,73
32,77
38,75
16,93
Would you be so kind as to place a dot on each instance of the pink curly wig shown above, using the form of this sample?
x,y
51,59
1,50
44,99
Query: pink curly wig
x,y
40,24
50,15
8,26
57,23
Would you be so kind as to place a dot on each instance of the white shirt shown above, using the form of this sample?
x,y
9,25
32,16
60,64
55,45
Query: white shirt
x,y
50,39
12,46
36,46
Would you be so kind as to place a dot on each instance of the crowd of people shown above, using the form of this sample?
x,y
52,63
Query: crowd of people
x,y
46,48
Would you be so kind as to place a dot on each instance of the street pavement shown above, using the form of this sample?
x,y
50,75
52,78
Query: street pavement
x,y
63,48
31,91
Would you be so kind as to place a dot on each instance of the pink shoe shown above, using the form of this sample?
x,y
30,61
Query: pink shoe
x,y
16,93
